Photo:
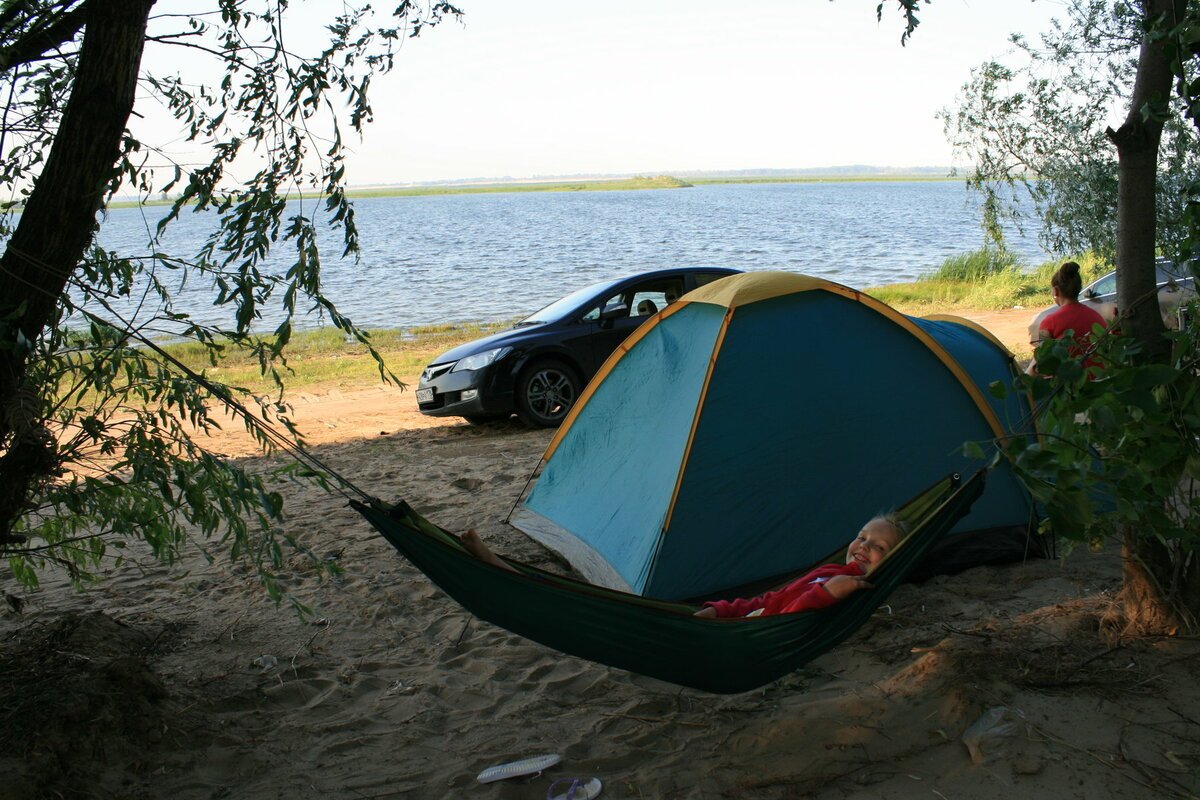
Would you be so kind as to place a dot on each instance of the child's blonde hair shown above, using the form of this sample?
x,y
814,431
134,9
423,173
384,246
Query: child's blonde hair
x,y
893,519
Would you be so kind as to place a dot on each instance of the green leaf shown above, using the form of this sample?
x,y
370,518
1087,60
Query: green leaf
x,y
973,451
1153,375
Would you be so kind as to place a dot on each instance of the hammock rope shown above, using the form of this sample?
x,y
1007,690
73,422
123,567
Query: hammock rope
x,y
340,483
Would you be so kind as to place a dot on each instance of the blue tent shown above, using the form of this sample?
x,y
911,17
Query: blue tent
x,y
750,428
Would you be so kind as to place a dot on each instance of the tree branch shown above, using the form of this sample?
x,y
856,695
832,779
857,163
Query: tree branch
x,y
44,38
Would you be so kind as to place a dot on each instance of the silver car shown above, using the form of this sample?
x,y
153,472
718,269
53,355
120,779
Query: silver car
x,y
1176,287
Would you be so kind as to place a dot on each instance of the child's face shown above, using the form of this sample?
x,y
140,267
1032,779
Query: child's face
x,y
872,543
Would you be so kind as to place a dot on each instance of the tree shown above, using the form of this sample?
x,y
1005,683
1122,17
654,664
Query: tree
x,y
1125,442
1039,127
96,422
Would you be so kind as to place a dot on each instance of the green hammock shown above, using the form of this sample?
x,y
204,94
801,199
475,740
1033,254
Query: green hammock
x,y
655,638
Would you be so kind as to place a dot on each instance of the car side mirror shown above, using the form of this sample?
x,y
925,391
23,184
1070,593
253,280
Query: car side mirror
x,y
615,311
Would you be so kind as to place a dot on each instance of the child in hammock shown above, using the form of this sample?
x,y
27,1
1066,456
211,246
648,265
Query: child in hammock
x,y
477,548
825,585
820,588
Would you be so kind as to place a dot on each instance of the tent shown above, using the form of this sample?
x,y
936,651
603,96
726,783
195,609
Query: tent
x,y
764,405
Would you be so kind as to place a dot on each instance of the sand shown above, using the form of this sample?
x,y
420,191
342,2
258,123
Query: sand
x,y
187,682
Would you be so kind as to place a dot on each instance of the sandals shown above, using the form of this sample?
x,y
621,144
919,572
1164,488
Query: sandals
x,y
518,769
577,789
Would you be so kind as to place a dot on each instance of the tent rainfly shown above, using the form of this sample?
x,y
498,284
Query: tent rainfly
x,y
749,429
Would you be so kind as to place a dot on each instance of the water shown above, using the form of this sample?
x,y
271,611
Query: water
x,y
451,258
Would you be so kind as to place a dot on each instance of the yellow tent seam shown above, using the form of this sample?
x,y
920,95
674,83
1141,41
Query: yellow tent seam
x,y
687,450
968,385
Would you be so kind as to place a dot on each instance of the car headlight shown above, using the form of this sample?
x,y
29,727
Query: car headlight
x,y
481,360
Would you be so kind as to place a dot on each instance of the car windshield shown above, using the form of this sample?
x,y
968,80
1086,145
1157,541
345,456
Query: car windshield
x,y
565,305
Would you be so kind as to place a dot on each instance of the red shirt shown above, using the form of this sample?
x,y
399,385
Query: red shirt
x,y
803,594
1074,317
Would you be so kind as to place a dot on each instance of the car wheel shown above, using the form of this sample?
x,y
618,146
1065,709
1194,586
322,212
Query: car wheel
x,y
545,393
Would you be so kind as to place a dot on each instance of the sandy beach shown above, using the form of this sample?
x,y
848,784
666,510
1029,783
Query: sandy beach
x,y
187,682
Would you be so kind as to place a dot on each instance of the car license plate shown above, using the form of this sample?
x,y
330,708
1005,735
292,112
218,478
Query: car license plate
x,y
424,395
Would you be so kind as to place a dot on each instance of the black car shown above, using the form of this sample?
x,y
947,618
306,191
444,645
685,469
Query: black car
x,y
539,367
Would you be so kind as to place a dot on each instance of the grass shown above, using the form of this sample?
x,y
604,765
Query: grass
x,y
980,280
324,358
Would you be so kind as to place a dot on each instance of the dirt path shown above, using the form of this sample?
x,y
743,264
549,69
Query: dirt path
x,y
1010,326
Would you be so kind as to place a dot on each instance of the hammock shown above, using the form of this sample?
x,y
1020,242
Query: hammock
x,y
657,638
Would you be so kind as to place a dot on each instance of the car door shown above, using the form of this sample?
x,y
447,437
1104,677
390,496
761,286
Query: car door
x,y
1102,296
639,300
634,303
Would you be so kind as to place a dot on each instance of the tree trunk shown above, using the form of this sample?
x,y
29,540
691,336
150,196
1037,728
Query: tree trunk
x,y
56,226
1161,589
1161,592
1137,143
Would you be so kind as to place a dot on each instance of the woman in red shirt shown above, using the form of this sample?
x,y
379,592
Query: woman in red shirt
x,y
1071,318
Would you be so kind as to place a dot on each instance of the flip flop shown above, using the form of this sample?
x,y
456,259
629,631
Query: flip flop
x,y
517,769
577,789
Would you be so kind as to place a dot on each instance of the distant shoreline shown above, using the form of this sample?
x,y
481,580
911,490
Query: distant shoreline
x,y
601,185
630,184
868,178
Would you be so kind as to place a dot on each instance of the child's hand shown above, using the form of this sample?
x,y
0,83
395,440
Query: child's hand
x,y
842,586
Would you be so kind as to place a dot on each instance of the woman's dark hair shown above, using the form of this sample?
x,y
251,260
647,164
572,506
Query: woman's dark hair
x,y
1066,279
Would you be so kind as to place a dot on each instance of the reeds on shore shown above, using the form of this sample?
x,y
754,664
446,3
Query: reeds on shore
x,y
984,279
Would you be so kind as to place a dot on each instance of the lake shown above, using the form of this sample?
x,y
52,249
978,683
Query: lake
x,y
449,258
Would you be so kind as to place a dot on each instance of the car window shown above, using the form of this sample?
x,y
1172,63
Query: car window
x,y
611,301
705,278
1169,271
672,290
650,297
1106,285
616,300
661,293
647,302
561,306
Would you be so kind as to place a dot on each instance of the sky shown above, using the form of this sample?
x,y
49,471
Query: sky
x,y
528,88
